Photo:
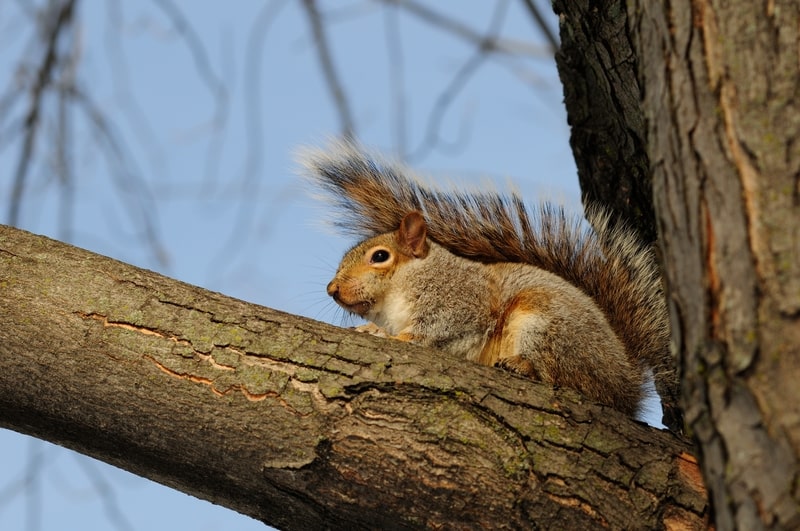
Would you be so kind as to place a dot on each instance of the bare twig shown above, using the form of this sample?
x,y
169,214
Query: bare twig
x,y
196,48
328,70
139,121
213,82
63,167
106,492
59,19
127,180
541,23
251,171
489,43
63,141
394,49
33,490
432,138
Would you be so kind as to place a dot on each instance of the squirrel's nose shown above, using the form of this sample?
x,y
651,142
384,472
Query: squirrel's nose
x,y
333,288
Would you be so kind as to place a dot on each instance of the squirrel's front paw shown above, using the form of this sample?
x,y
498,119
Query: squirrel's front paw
x,y
519,365
371,328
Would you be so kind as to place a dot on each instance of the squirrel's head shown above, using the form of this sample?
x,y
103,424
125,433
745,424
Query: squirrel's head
x,y
364,275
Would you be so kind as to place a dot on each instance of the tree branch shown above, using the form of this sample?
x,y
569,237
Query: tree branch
x,y
541,23
449,24
303,425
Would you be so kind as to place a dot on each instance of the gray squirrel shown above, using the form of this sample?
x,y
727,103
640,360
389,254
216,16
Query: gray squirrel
x,y
479,275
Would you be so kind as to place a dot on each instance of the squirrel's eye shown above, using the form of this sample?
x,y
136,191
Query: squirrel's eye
x,y
379,256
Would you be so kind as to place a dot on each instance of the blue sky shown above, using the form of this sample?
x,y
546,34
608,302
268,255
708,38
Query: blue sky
x,y
208,150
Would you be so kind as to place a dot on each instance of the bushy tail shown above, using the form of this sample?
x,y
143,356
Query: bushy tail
x,y
608,263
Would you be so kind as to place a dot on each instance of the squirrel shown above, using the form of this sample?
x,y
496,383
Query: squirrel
x,y
479,275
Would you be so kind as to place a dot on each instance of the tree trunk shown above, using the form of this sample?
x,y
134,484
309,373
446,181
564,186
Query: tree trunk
x,y
303,425
723,108
721,88
598,69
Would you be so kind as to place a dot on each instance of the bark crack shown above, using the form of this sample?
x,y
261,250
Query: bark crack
x,y
6,251
575,502
253,397
133,328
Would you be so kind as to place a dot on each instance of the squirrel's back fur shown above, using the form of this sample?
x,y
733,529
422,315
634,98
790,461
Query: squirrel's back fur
x,y
607,262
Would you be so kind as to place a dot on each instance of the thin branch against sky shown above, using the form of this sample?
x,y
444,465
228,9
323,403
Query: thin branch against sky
x,y
541,23
58,19
492,43
397,79
329,71
433,138
250,179
213,83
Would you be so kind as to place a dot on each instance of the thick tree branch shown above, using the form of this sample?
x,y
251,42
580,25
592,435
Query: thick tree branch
x,y
303,425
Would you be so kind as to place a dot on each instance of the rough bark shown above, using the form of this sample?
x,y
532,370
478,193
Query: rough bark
x,y
721,97
303,425
723,108
598,70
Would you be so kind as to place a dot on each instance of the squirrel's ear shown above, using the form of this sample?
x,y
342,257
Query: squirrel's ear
x,y
413,234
